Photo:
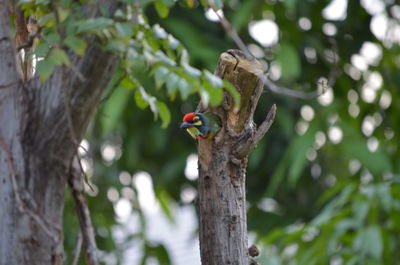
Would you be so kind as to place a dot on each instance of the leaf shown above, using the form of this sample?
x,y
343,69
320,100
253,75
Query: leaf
x,y
45,69
298,151
161,74
78,45
142,98
158,251
164,114
193,72
142,104
127,83
47,20
42,50
330,210
114,108
213,85
354,146
124,30
240,19
62,14
290,4
58,57
159,32
173,43
213,79
204,3
369,241
52,38
172,83
205,97
117,45
289,61
218,4
162,255
360,210
161,8
163,58
215,94
184,88
165,201
93,24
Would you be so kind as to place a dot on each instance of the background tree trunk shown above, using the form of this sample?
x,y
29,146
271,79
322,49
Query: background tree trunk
x,y
223,162
40,125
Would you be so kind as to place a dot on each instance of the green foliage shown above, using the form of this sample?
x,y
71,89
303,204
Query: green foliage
x,y
289,61
143,51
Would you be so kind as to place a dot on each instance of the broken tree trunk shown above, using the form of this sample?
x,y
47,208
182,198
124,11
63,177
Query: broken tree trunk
x,y
223,162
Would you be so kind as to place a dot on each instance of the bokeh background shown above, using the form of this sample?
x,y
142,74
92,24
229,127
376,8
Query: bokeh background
x,y
322,186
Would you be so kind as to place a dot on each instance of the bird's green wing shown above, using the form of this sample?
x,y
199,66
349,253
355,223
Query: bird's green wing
x,y
214,123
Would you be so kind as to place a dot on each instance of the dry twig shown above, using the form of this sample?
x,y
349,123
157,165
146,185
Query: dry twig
x,y
85,222
258,135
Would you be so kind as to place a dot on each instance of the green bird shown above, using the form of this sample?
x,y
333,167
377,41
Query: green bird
x,y
201,125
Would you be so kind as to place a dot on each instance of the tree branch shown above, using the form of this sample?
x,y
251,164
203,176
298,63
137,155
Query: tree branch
x,y
85,222
253,140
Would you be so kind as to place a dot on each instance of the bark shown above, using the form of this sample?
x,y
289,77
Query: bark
x,y
37,145
223,162
24,59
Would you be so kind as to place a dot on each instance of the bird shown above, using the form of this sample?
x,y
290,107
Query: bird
x,y
201,126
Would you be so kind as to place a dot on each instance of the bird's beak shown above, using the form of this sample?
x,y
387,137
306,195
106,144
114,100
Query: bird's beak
x,y
185,125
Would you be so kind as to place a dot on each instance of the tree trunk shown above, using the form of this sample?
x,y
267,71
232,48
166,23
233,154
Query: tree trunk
x,y
223,162
40,125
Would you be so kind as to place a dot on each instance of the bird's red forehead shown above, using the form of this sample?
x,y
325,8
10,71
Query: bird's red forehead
x,y
189,116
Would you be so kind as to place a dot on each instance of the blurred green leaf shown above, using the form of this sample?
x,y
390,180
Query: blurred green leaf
x,y
58,57
114,108
165,202
355,147
184,88
45,69
78,45
289,61
172,83
369,241
93,24
42,50
298,153
161,74
164,114
140,102
161,8
124,29
47,20
193,72
217,4
62,14
215,94
214,80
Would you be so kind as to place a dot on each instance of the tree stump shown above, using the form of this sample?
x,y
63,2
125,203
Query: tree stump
x,y
223,162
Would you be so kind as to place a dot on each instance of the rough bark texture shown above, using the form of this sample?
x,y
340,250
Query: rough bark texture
x,y
36,147
222,165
